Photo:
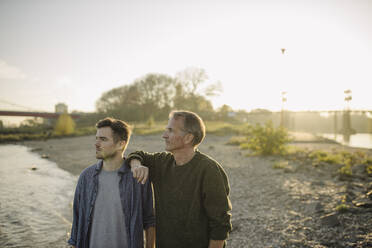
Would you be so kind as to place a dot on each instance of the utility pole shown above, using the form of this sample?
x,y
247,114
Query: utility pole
x,y
335,126
282,114
346,124
284,99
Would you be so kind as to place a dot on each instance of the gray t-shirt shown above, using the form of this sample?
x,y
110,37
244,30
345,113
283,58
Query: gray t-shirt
x,y
108,223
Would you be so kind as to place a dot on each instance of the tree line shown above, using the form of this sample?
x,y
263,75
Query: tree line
x,y
155,95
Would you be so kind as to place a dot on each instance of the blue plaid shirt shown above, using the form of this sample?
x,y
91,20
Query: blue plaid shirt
x,y
136,201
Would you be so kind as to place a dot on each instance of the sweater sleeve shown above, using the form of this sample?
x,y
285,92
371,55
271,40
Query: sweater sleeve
x,y
215,190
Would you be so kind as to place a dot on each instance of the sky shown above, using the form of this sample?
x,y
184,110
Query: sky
x,y
72,51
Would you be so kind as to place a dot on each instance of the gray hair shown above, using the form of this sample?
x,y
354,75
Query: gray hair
x,y
192,124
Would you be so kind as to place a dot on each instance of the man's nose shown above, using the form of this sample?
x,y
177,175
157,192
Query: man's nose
x,y
165,135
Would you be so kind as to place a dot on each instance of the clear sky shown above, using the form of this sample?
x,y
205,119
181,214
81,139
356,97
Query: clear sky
x,y
72,51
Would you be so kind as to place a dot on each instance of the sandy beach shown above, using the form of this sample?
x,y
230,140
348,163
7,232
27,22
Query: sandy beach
x,y
271,207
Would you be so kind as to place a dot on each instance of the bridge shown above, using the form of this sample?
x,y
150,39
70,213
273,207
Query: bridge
x,y
35,114
14,109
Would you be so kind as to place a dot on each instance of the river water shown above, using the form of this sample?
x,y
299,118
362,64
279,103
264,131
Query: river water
x,y
35,205
359,140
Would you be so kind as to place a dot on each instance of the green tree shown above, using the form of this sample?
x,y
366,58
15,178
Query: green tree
x,y
157,92
191,96
147,96
223,112
191,80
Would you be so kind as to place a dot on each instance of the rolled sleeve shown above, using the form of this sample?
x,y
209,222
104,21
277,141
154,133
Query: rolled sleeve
x,y
134,156
217,203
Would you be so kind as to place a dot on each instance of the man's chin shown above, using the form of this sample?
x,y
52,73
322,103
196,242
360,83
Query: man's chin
x,y
168,149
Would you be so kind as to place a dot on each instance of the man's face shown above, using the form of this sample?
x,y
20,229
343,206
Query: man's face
x,y
174,135
105,145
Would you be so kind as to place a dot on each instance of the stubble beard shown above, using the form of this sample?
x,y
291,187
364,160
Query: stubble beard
x,y
107,156
172,148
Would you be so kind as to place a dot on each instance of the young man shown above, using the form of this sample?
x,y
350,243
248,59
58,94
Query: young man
x,y
191,189
111,209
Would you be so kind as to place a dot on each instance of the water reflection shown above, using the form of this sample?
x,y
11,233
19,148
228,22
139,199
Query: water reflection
x,y
35,205
346,138
361,140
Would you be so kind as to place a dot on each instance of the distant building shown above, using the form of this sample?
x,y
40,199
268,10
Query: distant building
x,y
231,114
61,108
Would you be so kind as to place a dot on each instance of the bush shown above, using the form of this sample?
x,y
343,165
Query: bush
x,y
322,156
346,170
150,122
369,170
342,208
65,125
266,139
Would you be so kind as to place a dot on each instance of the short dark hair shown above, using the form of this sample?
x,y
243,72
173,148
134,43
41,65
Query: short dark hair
x,y
192,124
120,129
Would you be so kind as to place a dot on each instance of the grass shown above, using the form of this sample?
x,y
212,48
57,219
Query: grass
x,y
342,208
236,140
343,160
319,156
224,128
16,137
283,164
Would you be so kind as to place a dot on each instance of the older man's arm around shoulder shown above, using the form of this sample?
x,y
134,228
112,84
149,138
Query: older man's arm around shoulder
x,y
140,172
143,164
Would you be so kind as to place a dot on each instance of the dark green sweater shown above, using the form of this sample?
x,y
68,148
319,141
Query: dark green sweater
x,y
192,204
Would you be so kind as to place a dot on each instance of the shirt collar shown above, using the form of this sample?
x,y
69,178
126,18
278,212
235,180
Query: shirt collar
x,y
123,169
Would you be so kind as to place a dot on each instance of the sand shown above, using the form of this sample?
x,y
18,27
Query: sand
x,y
271,207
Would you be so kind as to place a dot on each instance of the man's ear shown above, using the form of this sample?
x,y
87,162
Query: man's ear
x,y
189,138
122,144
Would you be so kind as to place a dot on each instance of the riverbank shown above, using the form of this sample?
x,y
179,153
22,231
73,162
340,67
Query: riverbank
x,y
271,207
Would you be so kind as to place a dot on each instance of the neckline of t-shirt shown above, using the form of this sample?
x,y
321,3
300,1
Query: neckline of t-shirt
x,y
110,171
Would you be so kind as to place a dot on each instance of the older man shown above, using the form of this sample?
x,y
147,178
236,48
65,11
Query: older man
x,y
191,189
